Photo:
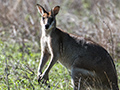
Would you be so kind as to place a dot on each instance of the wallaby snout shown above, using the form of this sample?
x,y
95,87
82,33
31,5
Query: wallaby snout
x,y
47,26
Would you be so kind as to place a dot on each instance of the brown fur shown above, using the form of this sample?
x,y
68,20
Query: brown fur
x,y
89,63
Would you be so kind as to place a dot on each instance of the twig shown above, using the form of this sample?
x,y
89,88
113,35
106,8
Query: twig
x,y
6,69
108,80
112,41
15,7
79,83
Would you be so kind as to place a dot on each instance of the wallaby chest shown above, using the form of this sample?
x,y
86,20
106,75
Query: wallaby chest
x,y
45,42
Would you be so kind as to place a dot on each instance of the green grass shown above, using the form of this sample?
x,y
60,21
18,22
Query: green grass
x,y
18,70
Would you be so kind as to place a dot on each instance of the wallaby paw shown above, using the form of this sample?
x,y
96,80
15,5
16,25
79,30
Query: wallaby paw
x,y
43,78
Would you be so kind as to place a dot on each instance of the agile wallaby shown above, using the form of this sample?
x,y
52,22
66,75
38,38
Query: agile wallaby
x,y
89,63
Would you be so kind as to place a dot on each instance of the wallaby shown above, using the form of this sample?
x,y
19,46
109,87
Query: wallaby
x,y
89,63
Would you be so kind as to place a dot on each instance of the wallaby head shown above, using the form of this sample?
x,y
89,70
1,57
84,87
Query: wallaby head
x,y
48,21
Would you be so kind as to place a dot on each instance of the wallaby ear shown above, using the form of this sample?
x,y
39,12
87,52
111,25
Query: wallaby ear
x,y
55,10
41,10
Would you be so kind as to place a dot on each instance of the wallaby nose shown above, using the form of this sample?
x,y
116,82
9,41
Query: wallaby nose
x,y
47,26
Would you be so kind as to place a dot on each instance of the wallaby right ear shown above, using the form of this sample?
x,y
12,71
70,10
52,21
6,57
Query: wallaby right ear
x,y
41,10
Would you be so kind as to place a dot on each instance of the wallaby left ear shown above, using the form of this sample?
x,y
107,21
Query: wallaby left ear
x,y
55,10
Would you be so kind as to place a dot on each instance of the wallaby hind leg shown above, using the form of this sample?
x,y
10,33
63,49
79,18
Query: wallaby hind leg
x,y
115,86
78,78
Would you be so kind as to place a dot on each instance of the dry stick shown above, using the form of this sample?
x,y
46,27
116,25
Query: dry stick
x,y
112,41
33,88
46,2
6,69
15,7
108,80
79,83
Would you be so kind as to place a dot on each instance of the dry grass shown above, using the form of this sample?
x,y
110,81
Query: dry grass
x,y
98,20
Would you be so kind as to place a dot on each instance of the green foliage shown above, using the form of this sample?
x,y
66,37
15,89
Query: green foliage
x,y
86,4
18,70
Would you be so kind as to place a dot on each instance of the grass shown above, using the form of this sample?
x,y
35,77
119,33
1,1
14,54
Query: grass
x,y
18,70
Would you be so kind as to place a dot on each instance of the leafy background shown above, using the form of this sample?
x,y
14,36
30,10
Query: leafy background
x,y
20,33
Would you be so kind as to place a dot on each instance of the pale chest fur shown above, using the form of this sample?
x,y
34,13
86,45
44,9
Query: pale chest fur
x,y
46,43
